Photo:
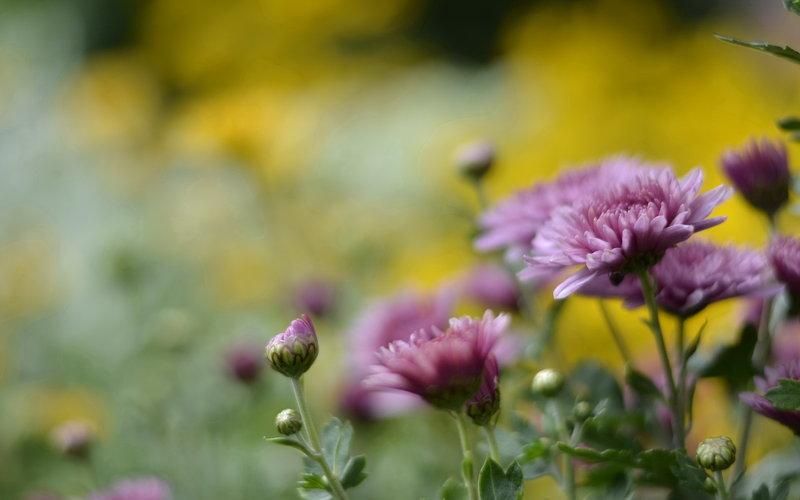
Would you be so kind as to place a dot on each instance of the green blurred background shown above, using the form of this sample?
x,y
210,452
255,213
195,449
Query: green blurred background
x,y
172,169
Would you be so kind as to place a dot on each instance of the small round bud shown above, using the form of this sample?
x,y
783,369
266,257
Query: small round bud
x,y
710,486
288,422
475,160
482,409
73,438
716,453
547,382
293,352
582,411
243,364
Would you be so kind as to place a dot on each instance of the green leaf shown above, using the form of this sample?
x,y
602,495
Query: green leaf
x,y
642,385
354,474
536,450
310,481
623,457
792,6
497,484
789,123
786,396
287,441
336,437
452,490
733,363
784,52
692,348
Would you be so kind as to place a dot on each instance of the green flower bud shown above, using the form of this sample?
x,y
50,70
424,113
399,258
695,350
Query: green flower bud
x,y
288,422
293,352
710,486
548,383
582,411
716,453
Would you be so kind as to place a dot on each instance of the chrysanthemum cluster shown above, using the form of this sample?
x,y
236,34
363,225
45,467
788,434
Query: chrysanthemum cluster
x,y
762,405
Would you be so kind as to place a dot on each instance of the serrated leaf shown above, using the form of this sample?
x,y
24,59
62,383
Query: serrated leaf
x,y
336,437
287,441
786,395
353,473
789,123
784,52
452,490
497,484
310,481
642,385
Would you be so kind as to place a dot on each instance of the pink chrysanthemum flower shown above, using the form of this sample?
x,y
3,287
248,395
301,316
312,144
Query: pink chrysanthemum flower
x,y
696,274
784,254
513,222
624,229
144,488
443,368
764,406
760,172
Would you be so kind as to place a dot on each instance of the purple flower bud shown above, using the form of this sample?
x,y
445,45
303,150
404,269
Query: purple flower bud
x,y
316,297
143,488
762,405
244,364
73,438
443,368
475,160
760,172
293,352
486,402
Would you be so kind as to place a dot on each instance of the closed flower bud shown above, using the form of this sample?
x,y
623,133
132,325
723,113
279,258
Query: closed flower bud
x,y
716,453
760,172
582,411
293,352
710,486
288,422
475,160
486,402
73,438
547,382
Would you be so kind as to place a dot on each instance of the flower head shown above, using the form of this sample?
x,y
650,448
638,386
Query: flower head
x,y
547,382
293,352
760,171
244,363
716,453
485,403
288,422
784,254
623,229
696,273
513,222
762,405
144,488
443,368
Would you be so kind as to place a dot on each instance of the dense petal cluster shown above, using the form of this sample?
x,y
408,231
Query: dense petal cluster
x,y
443,368
145,488
764,406
293,352
760,171
784,254
513,222
624,228
696,274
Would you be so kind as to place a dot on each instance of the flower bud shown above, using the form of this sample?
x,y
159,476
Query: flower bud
x,y
244,364
716,453
760,172
73,438
288,422
548,383
486,402
710,486
293,352
582,411
475,160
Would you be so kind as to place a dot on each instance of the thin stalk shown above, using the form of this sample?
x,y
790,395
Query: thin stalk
x,y
615,333
680,350
569,467
494,450
313,439
655,326
722,490
480,190
467,468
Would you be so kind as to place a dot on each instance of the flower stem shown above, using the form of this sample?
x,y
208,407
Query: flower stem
x,y
615,333
722,490
313,439
682,396
494,450
467,467
569,466
655,325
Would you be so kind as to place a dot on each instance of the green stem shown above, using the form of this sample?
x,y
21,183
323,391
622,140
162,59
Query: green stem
x,y
680,340
722,490
480,190
655,326
467,467
494,450
615,333
313,439
569,466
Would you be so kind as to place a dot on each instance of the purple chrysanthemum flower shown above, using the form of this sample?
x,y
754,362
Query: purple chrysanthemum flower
x,y
784,254
244,363
492,286
144,488
316,297
513,222
696,274
623,229
760,171
485,403
762,405
443,368
293,351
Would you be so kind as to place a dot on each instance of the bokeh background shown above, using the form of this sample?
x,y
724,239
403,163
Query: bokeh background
x,y
172,170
